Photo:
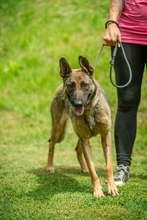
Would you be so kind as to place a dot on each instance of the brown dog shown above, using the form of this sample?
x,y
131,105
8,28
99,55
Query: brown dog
x,y
81,98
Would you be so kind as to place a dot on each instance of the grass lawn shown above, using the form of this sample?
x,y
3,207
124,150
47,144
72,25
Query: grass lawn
x,y
34,34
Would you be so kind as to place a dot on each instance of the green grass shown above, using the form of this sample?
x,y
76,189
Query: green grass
x,y
34,34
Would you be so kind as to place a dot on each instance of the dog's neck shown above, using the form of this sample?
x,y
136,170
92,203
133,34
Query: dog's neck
x,y
97,90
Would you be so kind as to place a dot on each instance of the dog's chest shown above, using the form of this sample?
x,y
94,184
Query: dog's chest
x,y
89,124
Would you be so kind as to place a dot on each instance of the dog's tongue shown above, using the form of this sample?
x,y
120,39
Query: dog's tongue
x,y
79,110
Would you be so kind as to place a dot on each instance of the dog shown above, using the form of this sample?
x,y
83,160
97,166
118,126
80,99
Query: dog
x,y
81,99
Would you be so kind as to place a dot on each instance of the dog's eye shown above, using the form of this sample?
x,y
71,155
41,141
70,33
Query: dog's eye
x,y
71,87
85,85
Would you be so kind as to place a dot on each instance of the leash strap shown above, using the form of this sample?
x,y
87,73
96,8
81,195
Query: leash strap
x,y
112,65
98,56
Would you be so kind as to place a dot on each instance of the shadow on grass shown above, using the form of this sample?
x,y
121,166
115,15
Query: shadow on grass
x,y
64,180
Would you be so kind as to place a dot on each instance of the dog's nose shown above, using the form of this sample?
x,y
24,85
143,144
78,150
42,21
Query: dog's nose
x,y
78,102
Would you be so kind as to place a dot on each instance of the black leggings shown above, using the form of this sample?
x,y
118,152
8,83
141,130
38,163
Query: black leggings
x,y
128,99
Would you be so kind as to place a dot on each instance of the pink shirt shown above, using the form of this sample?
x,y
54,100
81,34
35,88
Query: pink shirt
x,y
133,22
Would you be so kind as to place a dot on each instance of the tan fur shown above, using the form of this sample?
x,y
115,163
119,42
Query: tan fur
x,y
81,91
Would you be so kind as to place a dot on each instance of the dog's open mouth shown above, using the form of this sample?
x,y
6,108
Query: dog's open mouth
x,y
79,110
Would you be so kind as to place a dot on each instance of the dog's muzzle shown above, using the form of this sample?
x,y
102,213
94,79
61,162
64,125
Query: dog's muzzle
x,y
79,107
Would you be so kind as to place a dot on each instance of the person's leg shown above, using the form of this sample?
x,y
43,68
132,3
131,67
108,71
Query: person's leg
x,y
128,100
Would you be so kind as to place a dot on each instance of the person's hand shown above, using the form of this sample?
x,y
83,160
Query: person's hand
x,y
111,35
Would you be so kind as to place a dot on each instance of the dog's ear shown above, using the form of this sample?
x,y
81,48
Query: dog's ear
x,y
85,65
65,68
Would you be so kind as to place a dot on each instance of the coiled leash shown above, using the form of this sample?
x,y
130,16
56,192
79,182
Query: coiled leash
x,y
113,59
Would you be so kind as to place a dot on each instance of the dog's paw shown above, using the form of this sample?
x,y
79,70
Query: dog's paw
x,y
50,169
113,190
98,193
85,170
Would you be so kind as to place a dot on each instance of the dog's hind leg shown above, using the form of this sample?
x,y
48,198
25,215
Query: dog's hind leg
x,y
80,158
59,121
107,148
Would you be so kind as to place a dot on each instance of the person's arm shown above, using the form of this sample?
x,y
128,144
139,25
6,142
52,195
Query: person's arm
x,y
112,32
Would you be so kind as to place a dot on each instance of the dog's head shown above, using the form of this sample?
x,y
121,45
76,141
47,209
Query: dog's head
x,y
78,83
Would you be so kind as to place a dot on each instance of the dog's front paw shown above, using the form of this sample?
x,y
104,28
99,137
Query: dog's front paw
x,y
98,192
50,169
112,190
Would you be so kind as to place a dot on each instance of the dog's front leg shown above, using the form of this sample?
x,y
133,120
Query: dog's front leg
x,y
86,148
107,148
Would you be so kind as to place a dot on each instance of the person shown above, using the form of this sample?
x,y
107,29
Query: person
x,y
128,25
